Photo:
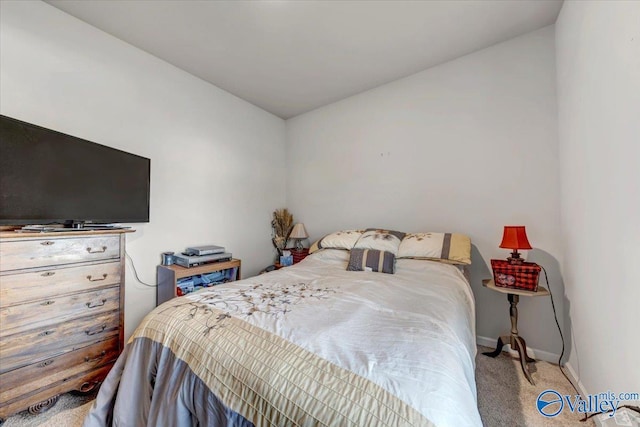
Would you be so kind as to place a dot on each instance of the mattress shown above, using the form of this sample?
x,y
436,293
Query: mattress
x,y
312,344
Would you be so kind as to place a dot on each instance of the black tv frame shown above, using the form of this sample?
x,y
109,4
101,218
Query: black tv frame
x,y
78,222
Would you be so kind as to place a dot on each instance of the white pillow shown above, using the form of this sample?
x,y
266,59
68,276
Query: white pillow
x,y
339,240
380,240
453,248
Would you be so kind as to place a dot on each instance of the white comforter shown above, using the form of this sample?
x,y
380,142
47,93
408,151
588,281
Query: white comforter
x,y
412,332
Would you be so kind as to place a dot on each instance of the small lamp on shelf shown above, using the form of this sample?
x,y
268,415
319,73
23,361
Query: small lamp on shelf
x,y
515,237
299,233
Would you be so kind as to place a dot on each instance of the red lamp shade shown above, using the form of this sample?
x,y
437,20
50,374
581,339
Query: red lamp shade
x,y
515,237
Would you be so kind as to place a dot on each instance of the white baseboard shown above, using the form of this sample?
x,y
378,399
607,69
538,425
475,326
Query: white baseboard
x,y
532,352
575,379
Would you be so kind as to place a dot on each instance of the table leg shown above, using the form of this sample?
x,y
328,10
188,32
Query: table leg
x,y
524,345
522,352
517,342
502,341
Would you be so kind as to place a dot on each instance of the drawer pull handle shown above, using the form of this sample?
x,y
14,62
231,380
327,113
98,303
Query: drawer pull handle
x,y
48,302
48,273
45,363
97,251
95,359
97,330
45,333
104,276
47,243
88,386
99,304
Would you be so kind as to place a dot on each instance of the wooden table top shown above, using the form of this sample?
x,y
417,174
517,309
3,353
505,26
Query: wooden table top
x,y
542,291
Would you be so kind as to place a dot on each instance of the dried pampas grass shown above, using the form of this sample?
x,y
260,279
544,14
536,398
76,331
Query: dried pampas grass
x,y
281,226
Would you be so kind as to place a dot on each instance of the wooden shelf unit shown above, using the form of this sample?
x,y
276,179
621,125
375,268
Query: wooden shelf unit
x,y
168,276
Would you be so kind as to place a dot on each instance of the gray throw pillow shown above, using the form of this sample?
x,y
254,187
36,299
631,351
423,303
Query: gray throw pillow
x,y
371,260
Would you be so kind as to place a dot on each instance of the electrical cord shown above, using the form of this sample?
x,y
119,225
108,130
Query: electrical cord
x,y
633,408
135,273
555,316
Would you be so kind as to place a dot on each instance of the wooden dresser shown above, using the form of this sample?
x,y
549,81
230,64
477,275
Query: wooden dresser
x,y
61,314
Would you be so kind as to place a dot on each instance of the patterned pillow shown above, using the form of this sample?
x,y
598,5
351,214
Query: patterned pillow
x,y
339,240
371,260
452,248
381,240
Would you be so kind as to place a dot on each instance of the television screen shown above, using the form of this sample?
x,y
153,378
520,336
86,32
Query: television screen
x,y
49,177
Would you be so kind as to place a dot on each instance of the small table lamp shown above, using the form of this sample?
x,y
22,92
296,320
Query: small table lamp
x,y
299,233
515,237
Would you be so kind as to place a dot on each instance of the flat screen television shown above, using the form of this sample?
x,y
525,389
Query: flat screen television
x,y
48,177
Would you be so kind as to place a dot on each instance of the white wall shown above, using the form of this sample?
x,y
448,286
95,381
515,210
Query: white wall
x,y
467,146
598,61
217,162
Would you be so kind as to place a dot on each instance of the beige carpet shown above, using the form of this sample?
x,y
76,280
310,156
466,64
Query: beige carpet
x,y
505,398
68,412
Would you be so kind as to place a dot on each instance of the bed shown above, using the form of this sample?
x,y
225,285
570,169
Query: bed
x,y
307,345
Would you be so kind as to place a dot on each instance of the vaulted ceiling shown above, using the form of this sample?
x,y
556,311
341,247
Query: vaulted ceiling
x,y
290,57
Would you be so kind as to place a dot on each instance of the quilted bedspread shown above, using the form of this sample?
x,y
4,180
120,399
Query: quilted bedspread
x,y
308,345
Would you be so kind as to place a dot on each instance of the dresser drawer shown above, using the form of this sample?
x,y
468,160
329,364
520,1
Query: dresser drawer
x,y
57,369
24,317
43,343
83,382
20,254
27,286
